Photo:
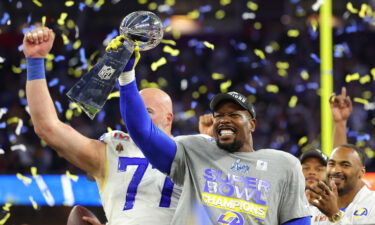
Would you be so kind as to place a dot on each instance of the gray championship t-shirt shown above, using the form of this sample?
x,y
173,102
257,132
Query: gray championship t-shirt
x,y
262,187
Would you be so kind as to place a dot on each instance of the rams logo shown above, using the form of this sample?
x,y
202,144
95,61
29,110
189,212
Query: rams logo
x,y
360,212
231,218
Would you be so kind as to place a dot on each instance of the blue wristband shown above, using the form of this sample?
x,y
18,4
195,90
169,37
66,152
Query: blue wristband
x,y
35,68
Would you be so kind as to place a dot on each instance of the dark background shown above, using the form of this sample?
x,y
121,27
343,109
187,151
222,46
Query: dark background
x,y
188,76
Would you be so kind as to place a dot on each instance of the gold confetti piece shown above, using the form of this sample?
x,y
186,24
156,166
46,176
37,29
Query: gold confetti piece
x,y
217,76
372,71
157,64
115,94
370,153
16,70
293,101
190,113
282,65
43,21
50,56
109,129
162,82
68,114
220,14
293,33
21,93
350,8
34,171
202,89
142,2
352,77
23,178
61,20
302,140
70,24
193,14
225,2
176,34
258,25
77,44
195,94
275,46
37,3
168,29
168,42
12,120
272,88
365,79
259,53
43,143
362,12
88,2
173,52
69,3
65,39
33,203
49,65
314,24
170,2
225,85
282,72
360,100
4,220
7,206
252,5
367,94
373,121
305,75
209,45
152,6
71,176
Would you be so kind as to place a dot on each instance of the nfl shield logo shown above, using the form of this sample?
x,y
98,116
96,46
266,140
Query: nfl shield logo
x,y
106,72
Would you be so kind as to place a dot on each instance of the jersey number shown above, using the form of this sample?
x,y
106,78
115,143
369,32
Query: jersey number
x,y
142,164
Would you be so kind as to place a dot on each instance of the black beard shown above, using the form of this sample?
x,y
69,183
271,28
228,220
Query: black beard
x,y
232,147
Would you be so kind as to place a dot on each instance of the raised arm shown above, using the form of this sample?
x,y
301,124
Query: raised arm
x,y
87,154
156,145
206,122
341,108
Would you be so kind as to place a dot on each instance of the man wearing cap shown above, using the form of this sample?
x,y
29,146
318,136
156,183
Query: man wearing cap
x,y
314,166
223,178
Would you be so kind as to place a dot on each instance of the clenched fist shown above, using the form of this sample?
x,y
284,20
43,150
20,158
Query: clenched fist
x,y
38,42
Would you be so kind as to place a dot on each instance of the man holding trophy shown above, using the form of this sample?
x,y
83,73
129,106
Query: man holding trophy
x,y
129,186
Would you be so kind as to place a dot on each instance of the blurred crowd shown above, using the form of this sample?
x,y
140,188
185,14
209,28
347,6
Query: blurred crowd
x,y
274,60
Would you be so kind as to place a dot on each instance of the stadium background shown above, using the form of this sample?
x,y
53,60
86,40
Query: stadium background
x,y
267,50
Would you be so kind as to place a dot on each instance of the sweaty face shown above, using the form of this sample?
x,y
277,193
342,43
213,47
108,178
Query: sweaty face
x,y
232,127
313,170
345,169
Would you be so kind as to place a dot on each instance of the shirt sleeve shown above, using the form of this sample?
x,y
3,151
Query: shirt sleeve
x,y
156,145
293,202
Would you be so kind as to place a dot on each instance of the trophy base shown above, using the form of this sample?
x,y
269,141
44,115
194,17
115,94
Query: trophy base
x,y
88,109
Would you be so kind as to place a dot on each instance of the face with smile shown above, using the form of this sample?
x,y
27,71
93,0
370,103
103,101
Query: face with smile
x,y
232,127
313,170
345,169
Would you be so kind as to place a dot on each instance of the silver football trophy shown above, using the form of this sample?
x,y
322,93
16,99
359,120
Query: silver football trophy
x,y
92,90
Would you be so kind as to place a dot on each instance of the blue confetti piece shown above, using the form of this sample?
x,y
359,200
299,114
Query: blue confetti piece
x,y
193,104
352,133
242,46
194,79
101,116
23,101
118,127
208,29
181,68
53,82
69,46
61,89
192,42
313,85
167,22
112,35
291,49
250,89
24,129
294,149
59,58
347,51
338,52
20,48
294,1
82,54
275,145
315,58
11,137
210,96
58,107
3,125
19,5
257,80
299,10
299,88
243,59
27,29
5,18
23,66
82,6
29,18
205,8
364,137
198,51
313,33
